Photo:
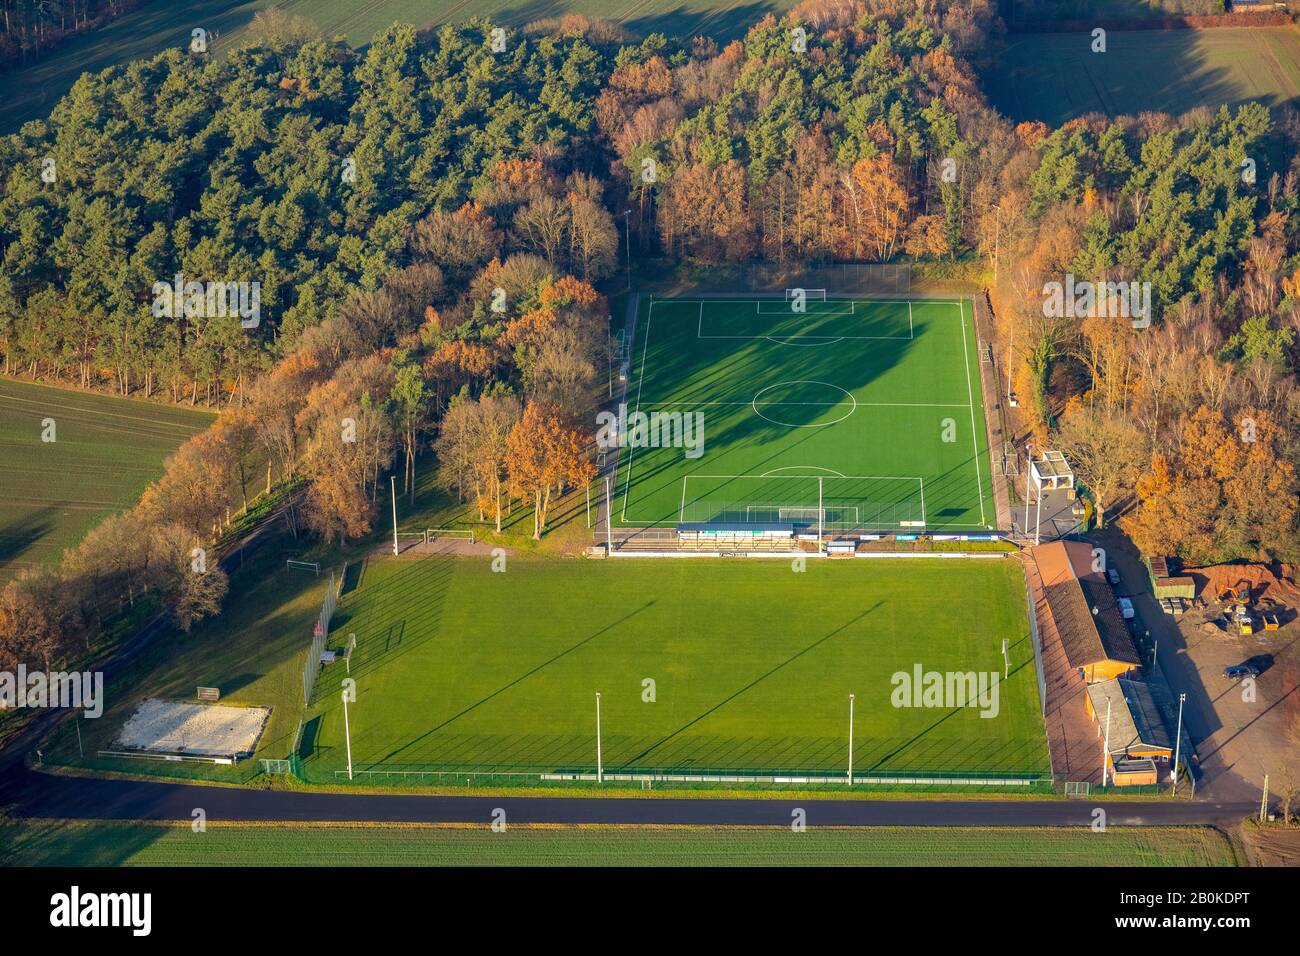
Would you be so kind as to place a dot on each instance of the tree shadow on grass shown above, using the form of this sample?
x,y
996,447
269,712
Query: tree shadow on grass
x,y
1056,77
379,617
414,744
747,687
18,535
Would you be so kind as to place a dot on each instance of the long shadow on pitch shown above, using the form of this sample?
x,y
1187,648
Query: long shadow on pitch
x,y
521,678
941,761
754,683
413,595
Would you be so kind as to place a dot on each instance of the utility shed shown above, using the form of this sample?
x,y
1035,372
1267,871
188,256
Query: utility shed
x,y
1178,587
1140,741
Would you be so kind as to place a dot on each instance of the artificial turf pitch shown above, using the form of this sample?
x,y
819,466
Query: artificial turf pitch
x,y
866,410
460,667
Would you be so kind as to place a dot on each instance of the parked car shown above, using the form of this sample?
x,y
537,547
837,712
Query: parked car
x,y
1112,574
1126,608
1238,671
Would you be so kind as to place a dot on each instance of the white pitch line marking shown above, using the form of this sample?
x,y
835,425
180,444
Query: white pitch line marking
x,y
965,354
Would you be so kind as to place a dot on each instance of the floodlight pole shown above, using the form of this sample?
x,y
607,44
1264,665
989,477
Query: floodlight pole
x,y
347,733
392,484
600,766
820,514
1105,752
609,518
1029,467
1038,511
1178,742
851,697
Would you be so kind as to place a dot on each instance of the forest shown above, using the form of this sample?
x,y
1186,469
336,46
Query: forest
x,y
436,224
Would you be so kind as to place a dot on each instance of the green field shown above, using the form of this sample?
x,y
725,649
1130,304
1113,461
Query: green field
x,y
1055,77
866,413
49,843
30,93
106,450
461,668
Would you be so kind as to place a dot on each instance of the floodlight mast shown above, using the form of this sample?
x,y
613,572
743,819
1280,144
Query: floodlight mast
x,y
600,768
392,483
1178,743
1105,755
820,514
851,698
347,732
1029,467
609,518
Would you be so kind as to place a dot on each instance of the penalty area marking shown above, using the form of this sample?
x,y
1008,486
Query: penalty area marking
x,y
815,339
918,479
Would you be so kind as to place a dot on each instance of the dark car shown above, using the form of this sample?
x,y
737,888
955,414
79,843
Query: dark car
x,y
1238,671
1113,576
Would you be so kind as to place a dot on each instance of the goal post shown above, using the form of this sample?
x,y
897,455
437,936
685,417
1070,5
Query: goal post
x,y
810,295
839,503
312,566
433,534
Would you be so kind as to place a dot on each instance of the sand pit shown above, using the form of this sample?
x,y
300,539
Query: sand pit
x,y
210,730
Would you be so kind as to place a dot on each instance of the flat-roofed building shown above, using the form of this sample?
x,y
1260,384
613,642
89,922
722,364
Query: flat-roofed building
x,y
1131,715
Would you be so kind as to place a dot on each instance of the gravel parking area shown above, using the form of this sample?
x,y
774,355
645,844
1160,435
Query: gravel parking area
x,y
1237,739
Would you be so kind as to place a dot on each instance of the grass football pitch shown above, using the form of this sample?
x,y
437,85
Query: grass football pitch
x,y
864,412
462,668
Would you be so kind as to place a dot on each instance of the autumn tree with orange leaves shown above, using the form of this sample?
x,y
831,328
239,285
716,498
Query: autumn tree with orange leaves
x,y
544,455
1224,491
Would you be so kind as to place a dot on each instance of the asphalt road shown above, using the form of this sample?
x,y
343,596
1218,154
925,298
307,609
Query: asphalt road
x,y
32,794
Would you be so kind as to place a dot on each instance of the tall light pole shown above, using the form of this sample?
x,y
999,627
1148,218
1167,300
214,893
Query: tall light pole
x,y
392,484
1029,466
820,514
1178,742
1105,753
1038,510
600,766
851,739
609,519
347,733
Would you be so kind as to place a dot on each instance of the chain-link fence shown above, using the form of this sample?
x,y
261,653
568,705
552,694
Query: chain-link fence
x,y
319,634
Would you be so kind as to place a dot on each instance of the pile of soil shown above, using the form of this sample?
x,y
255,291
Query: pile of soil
x,y
1276,582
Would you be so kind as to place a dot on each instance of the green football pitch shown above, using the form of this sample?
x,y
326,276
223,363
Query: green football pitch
x,y
703,665
865,413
